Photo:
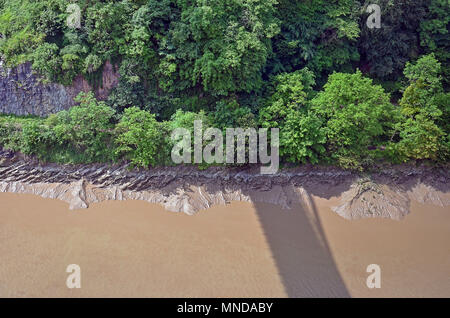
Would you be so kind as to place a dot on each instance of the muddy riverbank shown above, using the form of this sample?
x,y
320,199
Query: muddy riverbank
x,y
385,193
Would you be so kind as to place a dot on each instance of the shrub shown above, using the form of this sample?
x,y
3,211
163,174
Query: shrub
x,y
359,117
425,107
37,139
230,114
302,137
10,136
139,138
421,138
86,129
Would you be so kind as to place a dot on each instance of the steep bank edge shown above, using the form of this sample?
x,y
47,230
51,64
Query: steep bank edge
x,y
386,193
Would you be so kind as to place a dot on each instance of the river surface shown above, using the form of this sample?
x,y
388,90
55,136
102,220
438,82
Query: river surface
x,y
138,249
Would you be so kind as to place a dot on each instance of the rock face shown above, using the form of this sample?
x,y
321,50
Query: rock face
x,y
23,93
188,190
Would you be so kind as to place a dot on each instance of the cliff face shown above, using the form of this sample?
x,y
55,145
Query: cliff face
x,y
23,93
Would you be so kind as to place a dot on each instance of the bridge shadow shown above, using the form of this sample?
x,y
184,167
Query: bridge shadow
x,y
299,247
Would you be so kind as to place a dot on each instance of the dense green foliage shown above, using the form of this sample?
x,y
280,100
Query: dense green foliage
x,y
85,133
288,108
340,93
425,108
140,137
358,115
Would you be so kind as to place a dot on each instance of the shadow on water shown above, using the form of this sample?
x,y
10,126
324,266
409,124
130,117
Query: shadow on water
x,y
300,250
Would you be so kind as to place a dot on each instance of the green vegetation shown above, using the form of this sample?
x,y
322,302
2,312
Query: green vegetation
x,y
424,129
140,138
358,116
340,93
85,133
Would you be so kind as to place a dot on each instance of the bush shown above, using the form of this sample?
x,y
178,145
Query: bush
x,y
425,107
140,138
359,117
229,114
10,136
37,139
11,130
421,138
86,130
47,61
290,91
183,119
302,137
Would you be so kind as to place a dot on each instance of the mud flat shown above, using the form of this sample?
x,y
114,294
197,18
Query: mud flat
x,y
133,248
385,193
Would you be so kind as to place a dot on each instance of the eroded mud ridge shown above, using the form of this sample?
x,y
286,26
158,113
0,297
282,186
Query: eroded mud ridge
x,y
386,193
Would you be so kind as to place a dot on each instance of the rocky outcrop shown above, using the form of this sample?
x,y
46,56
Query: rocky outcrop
x,y
22,92
186,189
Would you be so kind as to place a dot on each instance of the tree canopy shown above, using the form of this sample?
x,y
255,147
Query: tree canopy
x,y
338,90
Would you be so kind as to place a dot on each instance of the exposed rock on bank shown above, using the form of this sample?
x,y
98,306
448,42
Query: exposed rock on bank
x,y
22,92
186,189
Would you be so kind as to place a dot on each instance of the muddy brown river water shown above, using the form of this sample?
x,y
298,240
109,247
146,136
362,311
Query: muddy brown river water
x,y
138,249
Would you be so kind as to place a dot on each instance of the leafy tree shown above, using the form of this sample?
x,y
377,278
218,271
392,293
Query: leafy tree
x,y
426,70
302,137
186,53
385,51
86,128
37,139
230,114
421,138
139,138
183,119
17,27
426,111
290,91
301,134
359,117
318,34
223,45
434,31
